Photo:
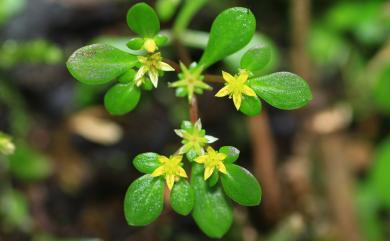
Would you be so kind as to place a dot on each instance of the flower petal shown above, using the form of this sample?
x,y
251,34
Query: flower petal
x,y
211,139
221,156
153,76
237,100
208,171
140,73
227,77
221,167
198,124
176,159
243,77
201,159
165,67
170,180
223,92
163,159
181,172
158,171
248,91
179,132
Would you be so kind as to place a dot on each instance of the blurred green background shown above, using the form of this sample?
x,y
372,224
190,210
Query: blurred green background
x,y
324,169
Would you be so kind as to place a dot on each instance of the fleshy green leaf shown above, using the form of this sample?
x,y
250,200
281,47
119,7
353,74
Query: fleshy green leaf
x,y
122,98
144,200
127,77
182,197
230,31
250,105
282,90
241,186
146,162
231,152
143,20
99,63
135,43
213,180
161,40
255,59
212,211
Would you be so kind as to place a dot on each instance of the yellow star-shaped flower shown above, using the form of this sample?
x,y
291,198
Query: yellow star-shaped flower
x,y
170,168
235,86
211,160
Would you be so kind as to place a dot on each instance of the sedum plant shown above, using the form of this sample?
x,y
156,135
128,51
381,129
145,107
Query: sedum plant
x,y
200,179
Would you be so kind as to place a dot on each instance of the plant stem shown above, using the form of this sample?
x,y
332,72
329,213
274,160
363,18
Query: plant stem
x,y
265,165
213,78
193,110
186,14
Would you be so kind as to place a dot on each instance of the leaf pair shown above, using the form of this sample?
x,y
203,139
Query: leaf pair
x,y
144,198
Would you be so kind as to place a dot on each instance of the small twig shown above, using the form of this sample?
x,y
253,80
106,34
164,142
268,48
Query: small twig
x,y
213,78
183,52
265,165
193,110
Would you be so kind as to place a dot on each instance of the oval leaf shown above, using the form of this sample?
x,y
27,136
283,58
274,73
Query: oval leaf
x,y
231,152
256,59
250,105
230,31
99,63
144,200
212,212
182,197
143,20
282,90
146,162
241,186
121,98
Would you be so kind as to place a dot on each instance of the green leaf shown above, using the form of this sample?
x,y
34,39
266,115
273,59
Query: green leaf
x,y
241,186
160,40
146,162
99,63
230,31
28,164
213,180
250,105
282,90
135,43
143,20
231,152
256,59
127,77
144,200
182,197
122,98
379,174
212,211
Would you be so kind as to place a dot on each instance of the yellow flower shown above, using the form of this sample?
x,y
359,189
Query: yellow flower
x,y
151,64
150,46
235,86
212,160
170,168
